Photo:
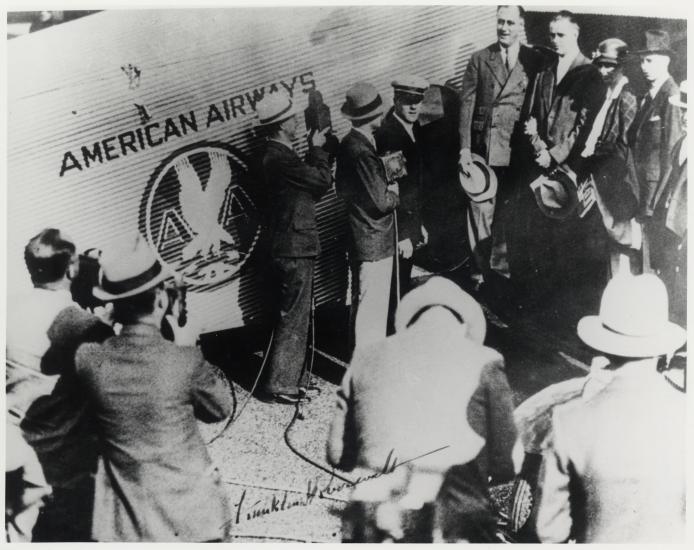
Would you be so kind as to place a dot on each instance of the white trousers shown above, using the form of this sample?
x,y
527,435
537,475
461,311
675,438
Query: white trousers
x,y
370,298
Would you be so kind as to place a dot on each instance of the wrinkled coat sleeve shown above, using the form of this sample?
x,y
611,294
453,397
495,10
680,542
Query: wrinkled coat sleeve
x,y
213,399
382,201
313,175
554,503
341,447
501,433
468,98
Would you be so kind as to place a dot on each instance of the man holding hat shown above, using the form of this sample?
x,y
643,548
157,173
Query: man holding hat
x,y
44,398
294,187
615,471
155,480
400,131
494,88
434,391
362,183
656,129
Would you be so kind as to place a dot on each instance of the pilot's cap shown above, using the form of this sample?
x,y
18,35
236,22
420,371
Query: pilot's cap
x,y
274,108
410,87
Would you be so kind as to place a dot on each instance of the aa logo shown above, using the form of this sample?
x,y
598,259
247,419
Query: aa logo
x,y
198,217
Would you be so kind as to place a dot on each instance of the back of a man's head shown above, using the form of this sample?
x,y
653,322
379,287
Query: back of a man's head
x,y
128,311
48,256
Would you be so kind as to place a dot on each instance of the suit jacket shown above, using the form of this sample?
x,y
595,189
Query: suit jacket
x,y
565,112
413,393
616,469
390,137
360,180
155,480
492,101
652,138
295,187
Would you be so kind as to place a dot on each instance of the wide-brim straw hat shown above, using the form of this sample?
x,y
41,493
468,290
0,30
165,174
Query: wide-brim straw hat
x,y
633,319
274,108
128,269
481,184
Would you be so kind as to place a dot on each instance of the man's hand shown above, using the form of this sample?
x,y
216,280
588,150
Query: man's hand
x,y
531,127
425,235
465,161
544,159
405,248
394,187
105,313
187,335
317,139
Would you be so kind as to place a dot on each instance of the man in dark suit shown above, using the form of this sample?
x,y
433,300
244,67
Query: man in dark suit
x,y
564,99
494,89
294,187
400,131
155,480
655,130
362,183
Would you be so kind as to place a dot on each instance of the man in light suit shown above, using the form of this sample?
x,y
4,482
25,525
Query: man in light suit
x,y
294,186
361,181
494,89
432,386
615,468
564,99
655,131
155,480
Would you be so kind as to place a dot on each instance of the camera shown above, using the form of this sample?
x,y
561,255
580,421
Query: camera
x,y
86,279
177,293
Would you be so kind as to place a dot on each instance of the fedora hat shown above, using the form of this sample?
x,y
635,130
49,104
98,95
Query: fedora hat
x,y
633,319
611,50
362,102
481,184
556,195
657,42
128,269
680,101
274,108
439,291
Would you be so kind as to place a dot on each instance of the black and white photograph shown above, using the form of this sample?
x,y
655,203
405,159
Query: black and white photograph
x,y
345,273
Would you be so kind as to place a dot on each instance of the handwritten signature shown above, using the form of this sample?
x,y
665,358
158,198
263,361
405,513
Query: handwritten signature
x,y
245,511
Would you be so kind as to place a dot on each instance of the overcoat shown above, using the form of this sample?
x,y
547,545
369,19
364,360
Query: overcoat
x,y
155,480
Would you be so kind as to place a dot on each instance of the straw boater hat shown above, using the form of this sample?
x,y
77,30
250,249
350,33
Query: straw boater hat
x,y
481,184
612,50
410,87
362,102
439,291
680,101
556,195
633,319
274,108
657,42
128,269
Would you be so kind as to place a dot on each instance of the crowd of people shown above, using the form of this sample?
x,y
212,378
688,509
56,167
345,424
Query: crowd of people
x,y
569,175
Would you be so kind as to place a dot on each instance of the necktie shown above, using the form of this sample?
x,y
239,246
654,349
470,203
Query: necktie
x,y
506,63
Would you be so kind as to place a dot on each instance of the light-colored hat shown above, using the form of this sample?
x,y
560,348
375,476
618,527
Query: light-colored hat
x,y
556,195
410,85
682,100
362,102
633,319
439,291
657,42
612,50
128,269
481,184
274,108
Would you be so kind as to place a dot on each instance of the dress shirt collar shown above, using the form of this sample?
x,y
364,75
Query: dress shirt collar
x,y
512,52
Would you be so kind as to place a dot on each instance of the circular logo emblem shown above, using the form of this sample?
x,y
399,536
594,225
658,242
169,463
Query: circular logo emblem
x,y
197,217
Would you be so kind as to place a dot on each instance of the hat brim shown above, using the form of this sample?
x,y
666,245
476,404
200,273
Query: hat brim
x,y
286,116
591,330
667,52
489,192
610,60
105,296
551,211
378,111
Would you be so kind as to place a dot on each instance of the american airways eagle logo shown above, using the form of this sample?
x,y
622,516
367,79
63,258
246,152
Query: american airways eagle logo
x,y
198,217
